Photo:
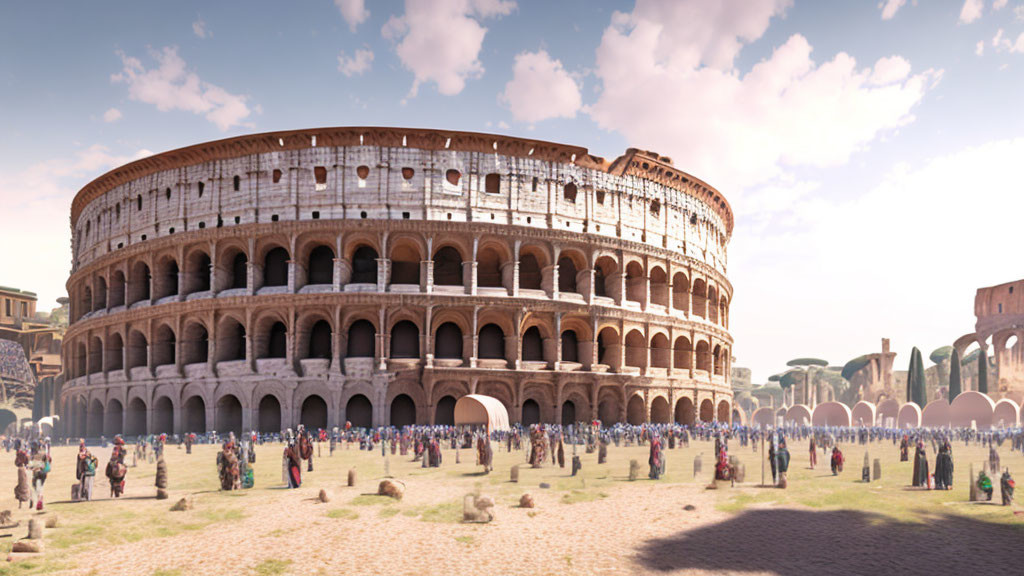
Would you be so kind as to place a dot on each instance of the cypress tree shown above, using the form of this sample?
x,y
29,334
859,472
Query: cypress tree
x,y
916,386
983,372
954,376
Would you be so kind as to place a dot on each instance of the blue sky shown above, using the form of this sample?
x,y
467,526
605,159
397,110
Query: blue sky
x,y
872,151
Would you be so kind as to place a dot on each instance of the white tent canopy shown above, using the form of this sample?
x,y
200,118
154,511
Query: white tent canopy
x,y
480,410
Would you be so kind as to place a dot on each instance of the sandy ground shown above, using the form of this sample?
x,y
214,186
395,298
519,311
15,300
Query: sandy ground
x,y
597,523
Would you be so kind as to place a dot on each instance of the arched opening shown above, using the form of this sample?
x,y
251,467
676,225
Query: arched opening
x,y
239,272
568,412
447,267
135,424
359,411
531,412
703,356
661,354
405,264
684,412
320,341
195,415
444,414
269,415
448,341
712,305
569,193
95,361
81,358
95,419
636,284
166,281
364,265
277,341
608,348
320,268
314,413
723,412
488,268
529,272
7,418
608,411
196,344
138,349
570,347
636,349
492,183
403,411
680,292
117,288
605,277
567,275
682,354
635,410
361,336
716,360
113,356
198,272
405,340
230,341
706,411
163,416
491,342
85,304
229,415
140,283
659,286
275,267
533,345
699,296
113,420
100,301
164,346
660,411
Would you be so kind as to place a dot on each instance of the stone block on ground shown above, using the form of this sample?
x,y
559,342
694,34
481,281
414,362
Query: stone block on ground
x,y
477,508
514,475
634,470
161,494
52,521
526,501
182,505
391,489
352,477
27,546
323,497
35,529
876,472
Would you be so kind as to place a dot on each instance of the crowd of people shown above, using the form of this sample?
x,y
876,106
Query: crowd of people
x,y
542,443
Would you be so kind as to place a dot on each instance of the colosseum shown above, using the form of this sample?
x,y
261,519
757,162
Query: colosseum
x,y
374,275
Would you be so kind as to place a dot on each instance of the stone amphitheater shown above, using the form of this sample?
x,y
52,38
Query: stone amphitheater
x,y
374,275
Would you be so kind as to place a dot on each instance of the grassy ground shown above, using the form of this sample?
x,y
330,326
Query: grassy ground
x,y
104,530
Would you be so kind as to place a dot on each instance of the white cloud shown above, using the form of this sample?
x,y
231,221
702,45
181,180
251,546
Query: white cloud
x,y
1018,12
999,4
353,11
171,86
979,48
356,64
440,41
881,252
670,89
540,89
37,203
200,30
890,7
1002,44
112,115
971,11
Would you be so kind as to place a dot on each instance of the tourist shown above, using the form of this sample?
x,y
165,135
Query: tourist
x,y
116,469
903,449
985,485
993,459
21,490
85,471
837,460
656,460
944,467
782,454
227,466
483,452
1007,485
920,477
292,465
814,453
722,470
40,466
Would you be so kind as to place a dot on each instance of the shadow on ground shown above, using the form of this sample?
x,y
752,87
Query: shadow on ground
x,y
800,542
